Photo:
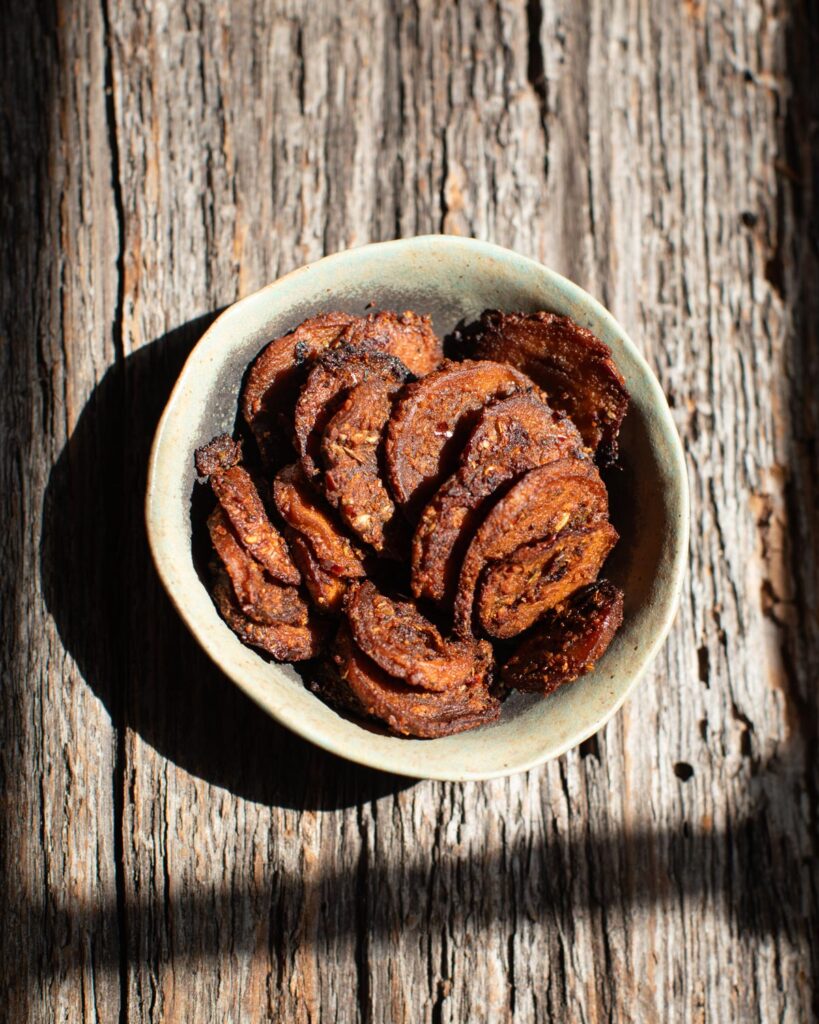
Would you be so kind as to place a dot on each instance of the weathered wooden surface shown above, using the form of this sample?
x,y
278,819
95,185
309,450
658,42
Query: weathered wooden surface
x,y
168,853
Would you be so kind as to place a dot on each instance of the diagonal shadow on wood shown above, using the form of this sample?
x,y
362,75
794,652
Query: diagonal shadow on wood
x,y
754,885
132,648
116,622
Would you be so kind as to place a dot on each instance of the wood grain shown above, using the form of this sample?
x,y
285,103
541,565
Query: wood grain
x,y
168,854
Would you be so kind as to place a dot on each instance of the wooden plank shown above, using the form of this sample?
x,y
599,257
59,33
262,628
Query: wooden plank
x,y
198,863
59,940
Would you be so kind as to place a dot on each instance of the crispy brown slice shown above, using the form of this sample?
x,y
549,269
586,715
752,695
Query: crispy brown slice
x,y
326,591
571,364
351,448
281,641
512,435
564,494
407,336
237,494
568,642
218,455
407,711
303,510
432,419
328,382
272,384
405,644
516,592
259,598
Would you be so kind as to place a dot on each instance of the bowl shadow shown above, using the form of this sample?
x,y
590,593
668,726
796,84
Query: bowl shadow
x,y
115,620
114,617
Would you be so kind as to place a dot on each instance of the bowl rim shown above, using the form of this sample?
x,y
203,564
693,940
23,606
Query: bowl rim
x,y
676,457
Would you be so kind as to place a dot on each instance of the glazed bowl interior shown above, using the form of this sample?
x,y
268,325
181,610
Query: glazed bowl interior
x,y
452,279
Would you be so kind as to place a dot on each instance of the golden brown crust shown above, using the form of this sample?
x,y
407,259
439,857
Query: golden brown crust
x,y
237,494
566,494
517,526
517,591
569,641
331,377
351,449
407,711
407,336
258,597
326,591
217,455
571,364
302,509
281,641
272,383
431,420
405,644
511,436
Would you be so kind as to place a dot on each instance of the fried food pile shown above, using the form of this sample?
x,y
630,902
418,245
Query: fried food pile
x,y
426,533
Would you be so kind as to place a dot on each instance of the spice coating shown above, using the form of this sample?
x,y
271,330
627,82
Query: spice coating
x,y
433,418
517,591
405,710
405,644
469,483
260,598
326,591
512,435
332,376
573,367
351,448
569,641
275,376
566,493
405,335
280,640
302,509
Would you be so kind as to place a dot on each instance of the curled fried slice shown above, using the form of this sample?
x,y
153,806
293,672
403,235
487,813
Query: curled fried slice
x,y
569,641
301,509
237,494
258,598
218,455
407,336
405,710
405,644
564,494
431,420
326,591
515,593
350,451
511,436
571,364
274,378
281,641
331,377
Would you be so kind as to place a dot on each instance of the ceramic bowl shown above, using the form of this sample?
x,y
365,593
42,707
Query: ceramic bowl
x,y
451,279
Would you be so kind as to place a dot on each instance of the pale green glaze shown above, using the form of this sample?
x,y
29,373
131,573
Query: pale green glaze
x,y
450,278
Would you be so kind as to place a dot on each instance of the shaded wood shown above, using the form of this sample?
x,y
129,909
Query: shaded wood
x,y
168,854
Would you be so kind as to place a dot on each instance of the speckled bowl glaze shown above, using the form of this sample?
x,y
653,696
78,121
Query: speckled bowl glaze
x,y
451,279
